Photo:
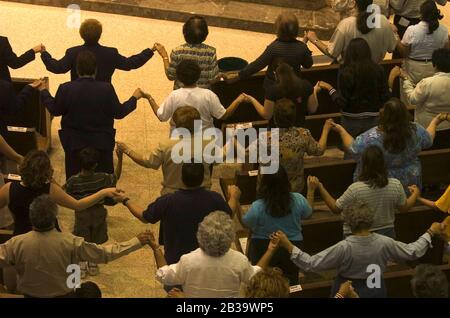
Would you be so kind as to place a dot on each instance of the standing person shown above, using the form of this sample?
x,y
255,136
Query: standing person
x,y
347,8
362,89
421,40
429,282
108,58
43,255
9,59
88,108
195,31
442,204
381,38
91,222
277,208
353,256
286,48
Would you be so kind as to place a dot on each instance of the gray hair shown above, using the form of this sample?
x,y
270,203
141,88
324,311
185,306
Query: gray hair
x,y
43,212
216,233
429,282
358,216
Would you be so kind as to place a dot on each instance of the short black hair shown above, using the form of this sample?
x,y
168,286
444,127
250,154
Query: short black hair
x,y
441,60
43,212
89,158
88,290
188,72
192,174
195,30
86,63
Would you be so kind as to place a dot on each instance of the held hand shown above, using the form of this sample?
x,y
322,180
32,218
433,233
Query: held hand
x,y
305,37
414,190
138,93
312,36
329,124
112,192
234,192
120,197
38,84
282,238
324,85
39,48
119,153
437,228
274,243
147,237
122,147
313,183
175,293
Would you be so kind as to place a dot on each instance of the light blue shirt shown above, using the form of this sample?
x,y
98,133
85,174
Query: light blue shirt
x,y
262,224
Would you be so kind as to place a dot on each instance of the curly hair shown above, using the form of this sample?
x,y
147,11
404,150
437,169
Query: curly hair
x,y
36,169
429,282
358,216
216,233
43,212
268,283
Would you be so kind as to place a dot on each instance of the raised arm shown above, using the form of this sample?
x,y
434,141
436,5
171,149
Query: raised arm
x,y
265,111
137,211
232,108
431,129
411,200
55,66
313,102
122,110
328,199
134,61
119,164
234,194
347,139
153,104
55,105
169,67
324,136
154,161
8,152
14,61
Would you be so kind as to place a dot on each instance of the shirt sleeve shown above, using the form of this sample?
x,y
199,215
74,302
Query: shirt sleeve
x,y
443,203
261,62
401,196
408,36
134,61
7,256
172,69
306,210
248,272
336,43
57,66
166,110
156,209
400,252
416,95
174,274
424,137
250,218
312,146
155,159
216,108
358,146
346,198
327,259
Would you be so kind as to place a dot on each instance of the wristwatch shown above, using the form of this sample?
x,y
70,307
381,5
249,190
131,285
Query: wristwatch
x,y
124,202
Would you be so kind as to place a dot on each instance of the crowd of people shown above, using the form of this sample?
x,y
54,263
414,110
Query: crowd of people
x,y
194,254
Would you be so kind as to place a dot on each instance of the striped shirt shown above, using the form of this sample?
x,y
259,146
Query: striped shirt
x,y
80,186
383,201
203,54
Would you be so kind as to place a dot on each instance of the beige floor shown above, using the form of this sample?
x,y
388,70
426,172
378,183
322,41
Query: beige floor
x,y
27,25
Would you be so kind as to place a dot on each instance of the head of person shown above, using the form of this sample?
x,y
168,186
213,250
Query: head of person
x,y
89,158
88,290
430,14
358,216
429,282
441,60
284,113
185,117
195,30
373,170
91,31
286,26
268,283
192,174
364,13
43,212
216,233
36,169
188,72
275,191
86,64
357,51
287,80
395,123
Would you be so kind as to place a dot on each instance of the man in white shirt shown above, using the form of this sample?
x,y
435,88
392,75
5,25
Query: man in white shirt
x,y
41,257
204,100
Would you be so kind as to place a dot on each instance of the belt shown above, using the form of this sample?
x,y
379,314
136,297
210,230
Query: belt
x,y
420,60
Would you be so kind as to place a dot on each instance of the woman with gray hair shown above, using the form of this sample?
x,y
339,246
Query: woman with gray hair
x,y
362,257
213,270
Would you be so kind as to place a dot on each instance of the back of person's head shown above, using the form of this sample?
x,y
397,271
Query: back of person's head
x,y
91,31
441,60
275,191
358,50
216,233
362,19
36,169
195,30
188,72
284,114
286,26
430,14
429,282
373,170
192,174
86,63
185,117
43,212
89,158
88,290
395,123
287,80
268,283
358,216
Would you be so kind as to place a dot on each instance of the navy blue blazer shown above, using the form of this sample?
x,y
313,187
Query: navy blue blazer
x,y
88,108
108,60
9,59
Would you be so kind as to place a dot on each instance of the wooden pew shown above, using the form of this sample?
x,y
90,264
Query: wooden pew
x,y
30,128
398,285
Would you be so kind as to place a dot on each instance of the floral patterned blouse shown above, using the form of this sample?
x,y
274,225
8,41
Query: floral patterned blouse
x,y
404,166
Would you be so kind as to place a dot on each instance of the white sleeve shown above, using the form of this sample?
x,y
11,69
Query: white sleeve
x,y
408,36
171,274
216,108
248,272
166,110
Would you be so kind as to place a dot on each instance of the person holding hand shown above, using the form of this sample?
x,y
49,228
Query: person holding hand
x,y
88,108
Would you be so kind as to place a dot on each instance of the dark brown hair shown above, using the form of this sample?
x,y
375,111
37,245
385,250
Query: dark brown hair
x,y
363,16
86,63
373,170
195,30
431,15
185,116
36,169
275,191
284,114
286,26
268,283
90,31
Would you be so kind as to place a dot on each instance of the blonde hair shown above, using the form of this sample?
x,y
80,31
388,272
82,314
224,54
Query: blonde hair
x,y
268,283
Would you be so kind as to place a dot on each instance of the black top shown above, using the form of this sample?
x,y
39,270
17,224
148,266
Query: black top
x,y
108,60
305,90
20,198
295,53
9,59
181,212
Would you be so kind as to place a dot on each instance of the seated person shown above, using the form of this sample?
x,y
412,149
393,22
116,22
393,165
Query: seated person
x,y
268,283
429,282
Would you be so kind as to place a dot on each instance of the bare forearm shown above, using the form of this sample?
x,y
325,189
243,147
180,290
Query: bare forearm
x,y
136,211
260,109
118,170
410,202
431,129
154,106
428,203
137,158
347,139
266,258
322,47
324,139
231,109
328,199
310,198
159,258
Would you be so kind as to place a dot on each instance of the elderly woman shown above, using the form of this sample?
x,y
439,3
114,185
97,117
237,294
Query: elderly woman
x,y
361,253
213,270
268,283
429,282
195,31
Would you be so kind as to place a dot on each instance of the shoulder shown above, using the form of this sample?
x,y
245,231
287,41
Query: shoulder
x,y
346,23
258,204
394,182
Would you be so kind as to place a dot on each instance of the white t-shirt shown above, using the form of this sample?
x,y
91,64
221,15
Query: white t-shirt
x,y
205,276
380,40
205,101
423,44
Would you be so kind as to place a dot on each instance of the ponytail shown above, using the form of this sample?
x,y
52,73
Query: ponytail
x,y
431,15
